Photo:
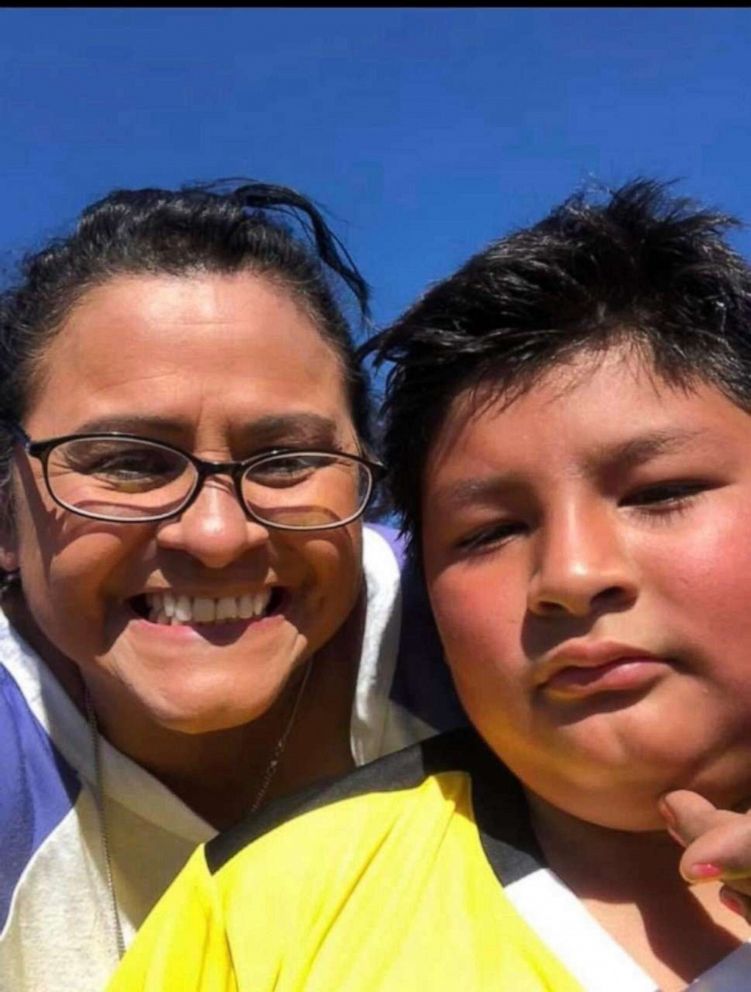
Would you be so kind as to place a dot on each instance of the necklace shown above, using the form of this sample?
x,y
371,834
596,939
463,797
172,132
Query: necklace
x,y
268,775
117,928
276,754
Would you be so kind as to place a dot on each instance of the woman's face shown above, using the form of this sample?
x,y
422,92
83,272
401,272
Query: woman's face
x,y
588,554
224,367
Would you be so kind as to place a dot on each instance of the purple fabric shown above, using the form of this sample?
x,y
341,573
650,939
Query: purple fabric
x,y
422,682
393,540
37,788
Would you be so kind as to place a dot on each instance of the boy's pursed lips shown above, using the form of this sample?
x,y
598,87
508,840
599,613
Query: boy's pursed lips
x,y
584,654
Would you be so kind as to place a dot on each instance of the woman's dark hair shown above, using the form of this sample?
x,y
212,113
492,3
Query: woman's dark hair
x,y
224,227
641,267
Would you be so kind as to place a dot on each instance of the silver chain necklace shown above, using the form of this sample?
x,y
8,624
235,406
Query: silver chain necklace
x,y
117,928
268,775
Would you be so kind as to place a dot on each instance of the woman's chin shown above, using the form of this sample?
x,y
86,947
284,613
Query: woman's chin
x,y
183,681
198,715
199,698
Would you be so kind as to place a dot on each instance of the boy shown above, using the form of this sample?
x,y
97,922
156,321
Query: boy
x,y
568,436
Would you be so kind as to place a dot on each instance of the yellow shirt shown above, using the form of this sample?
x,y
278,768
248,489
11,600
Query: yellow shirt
x,y
390,880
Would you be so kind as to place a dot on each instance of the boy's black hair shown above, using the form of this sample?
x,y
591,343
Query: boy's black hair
x,y
641,266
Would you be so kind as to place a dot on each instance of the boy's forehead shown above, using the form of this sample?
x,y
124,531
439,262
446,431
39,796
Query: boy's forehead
x,y
593,403
559,380
492,397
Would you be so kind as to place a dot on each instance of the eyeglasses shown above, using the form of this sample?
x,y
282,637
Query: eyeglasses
x,y
123,478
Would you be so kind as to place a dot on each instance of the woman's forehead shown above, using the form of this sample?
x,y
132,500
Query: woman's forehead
x,y
167,344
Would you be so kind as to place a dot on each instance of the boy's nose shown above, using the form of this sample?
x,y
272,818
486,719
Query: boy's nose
x,y
215,528
581,565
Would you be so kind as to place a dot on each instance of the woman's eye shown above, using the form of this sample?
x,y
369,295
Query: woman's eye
x,y
665,495
125,466
128,466
285,471
118,465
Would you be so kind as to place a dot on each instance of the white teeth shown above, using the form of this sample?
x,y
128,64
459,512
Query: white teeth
x,y
264,598
246,606
183,611
203,609
166,608
226,608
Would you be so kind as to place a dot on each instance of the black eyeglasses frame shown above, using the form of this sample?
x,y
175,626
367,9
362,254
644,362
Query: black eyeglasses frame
x,y
42,449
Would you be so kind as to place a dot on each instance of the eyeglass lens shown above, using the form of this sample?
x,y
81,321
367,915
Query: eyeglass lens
x,y
130,480
306,490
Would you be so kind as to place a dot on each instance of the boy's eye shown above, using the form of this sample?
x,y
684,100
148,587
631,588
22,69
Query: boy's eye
x,y
490,536
664,495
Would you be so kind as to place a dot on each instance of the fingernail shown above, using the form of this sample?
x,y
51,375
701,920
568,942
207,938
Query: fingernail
x,y
733,902
674,834
702,871
667,814
671,821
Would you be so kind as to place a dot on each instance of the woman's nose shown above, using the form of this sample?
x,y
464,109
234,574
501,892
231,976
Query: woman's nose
x,y
581,565
214,529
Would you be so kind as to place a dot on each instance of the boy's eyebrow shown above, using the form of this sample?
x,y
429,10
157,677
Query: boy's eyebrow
x,y
627,454
637,450
478,491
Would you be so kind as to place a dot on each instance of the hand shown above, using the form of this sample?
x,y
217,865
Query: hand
x,y
717,843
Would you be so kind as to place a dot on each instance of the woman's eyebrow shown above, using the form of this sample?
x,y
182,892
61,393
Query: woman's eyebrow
x,y
130,423
297,428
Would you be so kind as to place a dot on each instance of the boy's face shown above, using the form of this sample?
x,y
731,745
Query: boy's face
x,y
588,555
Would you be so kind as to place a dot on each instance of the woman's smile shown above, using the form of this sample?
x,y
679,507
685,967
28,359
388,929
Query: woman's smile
x,y
216,632
172,607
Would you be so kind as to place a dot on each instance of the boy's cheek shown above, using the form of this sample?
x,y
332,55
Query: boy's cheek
x,y
706,567
480,622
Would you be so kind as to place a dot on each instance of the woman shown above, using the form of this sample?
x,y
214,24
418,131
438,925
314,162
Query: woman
x,y
186,630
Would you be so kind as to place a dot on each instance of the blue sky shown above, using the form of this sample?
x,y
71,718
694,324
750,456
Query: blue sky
x,y
424,131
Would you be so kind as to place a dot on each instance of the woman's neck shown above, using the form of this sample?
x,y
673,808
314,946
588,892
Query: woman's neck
x,y
219,775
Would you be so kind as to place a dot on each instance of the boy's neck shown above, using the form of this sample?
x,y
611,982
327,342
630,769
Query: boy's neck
x,y
630,883
610,853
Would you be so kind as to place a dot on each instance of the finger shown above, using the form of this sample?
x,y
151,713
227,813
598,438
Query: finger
x,y
736,902
687,815
724,851
742,886
717,841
